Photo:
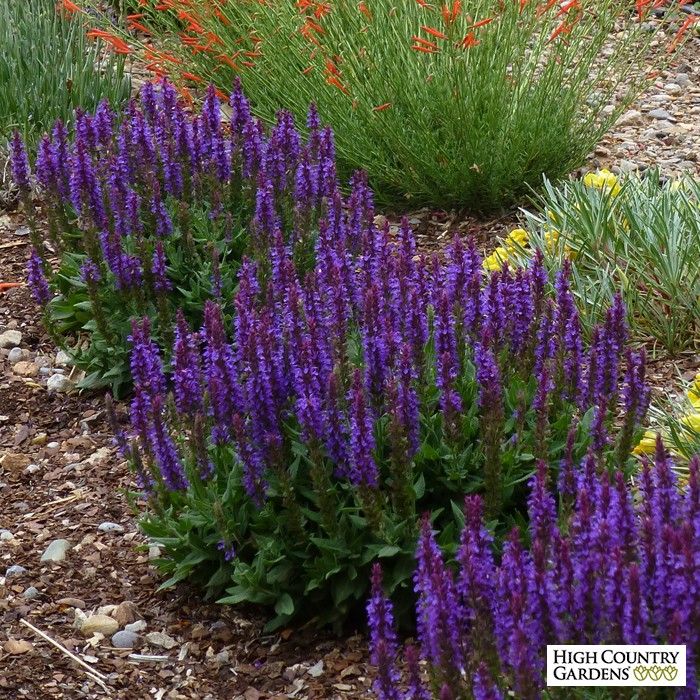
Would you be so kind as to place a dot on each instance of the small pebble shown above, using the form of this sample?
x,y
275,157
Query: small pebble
x,y
138,626
660,114
15,570
59,384
31,593
56,551
10,339
15,355
110,527
6,535
160,639
124,639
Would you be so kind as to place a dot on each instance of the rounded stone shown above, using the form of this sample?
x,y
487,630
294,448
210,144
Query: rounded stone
x,y
124,639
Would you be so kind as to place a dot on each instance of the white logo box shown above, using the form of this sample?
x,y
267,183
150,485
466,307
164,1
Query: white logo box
x,y
643,666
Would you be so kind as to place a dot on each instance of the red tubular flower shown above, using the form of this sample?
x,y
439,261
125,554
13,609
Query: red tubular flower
x,y
434,32
381,108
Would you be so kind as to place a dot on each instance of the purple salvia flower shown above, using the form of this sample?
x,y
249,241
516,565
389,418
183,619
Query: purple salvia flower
x,y
44,166
60,156
161,283
483,687
103,124
90,272
187,369
438,610
19,162
362,469
166,456
477,572
383,645
37,280
253,147
220,372
227,549
416,688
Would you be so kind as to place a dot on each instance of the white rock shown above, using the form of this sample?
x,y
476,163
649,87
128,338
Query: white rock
x,y
31,593
6,535
10,339
138,626
63,359
124,639
660,114
15,570
110,527
673,88
104,624
160,639
56,551
16,355
97,457
59,384
632,116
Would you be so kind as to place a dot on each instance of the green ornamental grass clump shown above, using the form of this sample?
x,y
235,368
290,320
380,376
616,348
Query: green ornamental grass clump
x,y
631,234
48,68
457,104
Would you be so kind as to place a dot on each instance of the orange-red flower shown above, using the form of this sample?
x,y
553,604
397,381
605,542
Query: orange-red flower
x,y
689,22
434,32
333,80
117,43
469,41
450,14
70,6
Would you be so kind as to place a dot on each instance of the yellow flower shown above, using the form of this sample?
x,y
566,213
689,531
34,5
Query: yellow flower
x,y
603,180
551,236
694,392
647,445
496,259
517,239
692,422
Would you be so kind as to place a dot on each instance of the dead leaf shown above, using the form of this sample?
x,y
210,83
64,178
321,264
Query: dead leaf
x,y
17,646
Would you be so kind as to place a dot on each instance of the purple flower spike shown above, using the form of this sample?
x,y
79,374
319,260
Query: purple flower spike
x,y
37,280
19,162
187,370
161,283
363,468
383,646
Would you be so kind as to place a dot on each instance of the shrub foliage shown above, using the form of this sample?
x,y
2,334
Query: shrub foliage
x,y
456,104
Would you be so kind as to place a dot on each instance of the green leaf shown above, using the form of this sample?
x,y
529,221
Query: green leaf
x,y
284,605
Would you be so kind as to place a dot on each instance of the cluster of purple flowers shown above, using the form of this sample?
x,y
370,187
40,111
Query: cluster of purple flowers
x,y
622,568
136,194
375,352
